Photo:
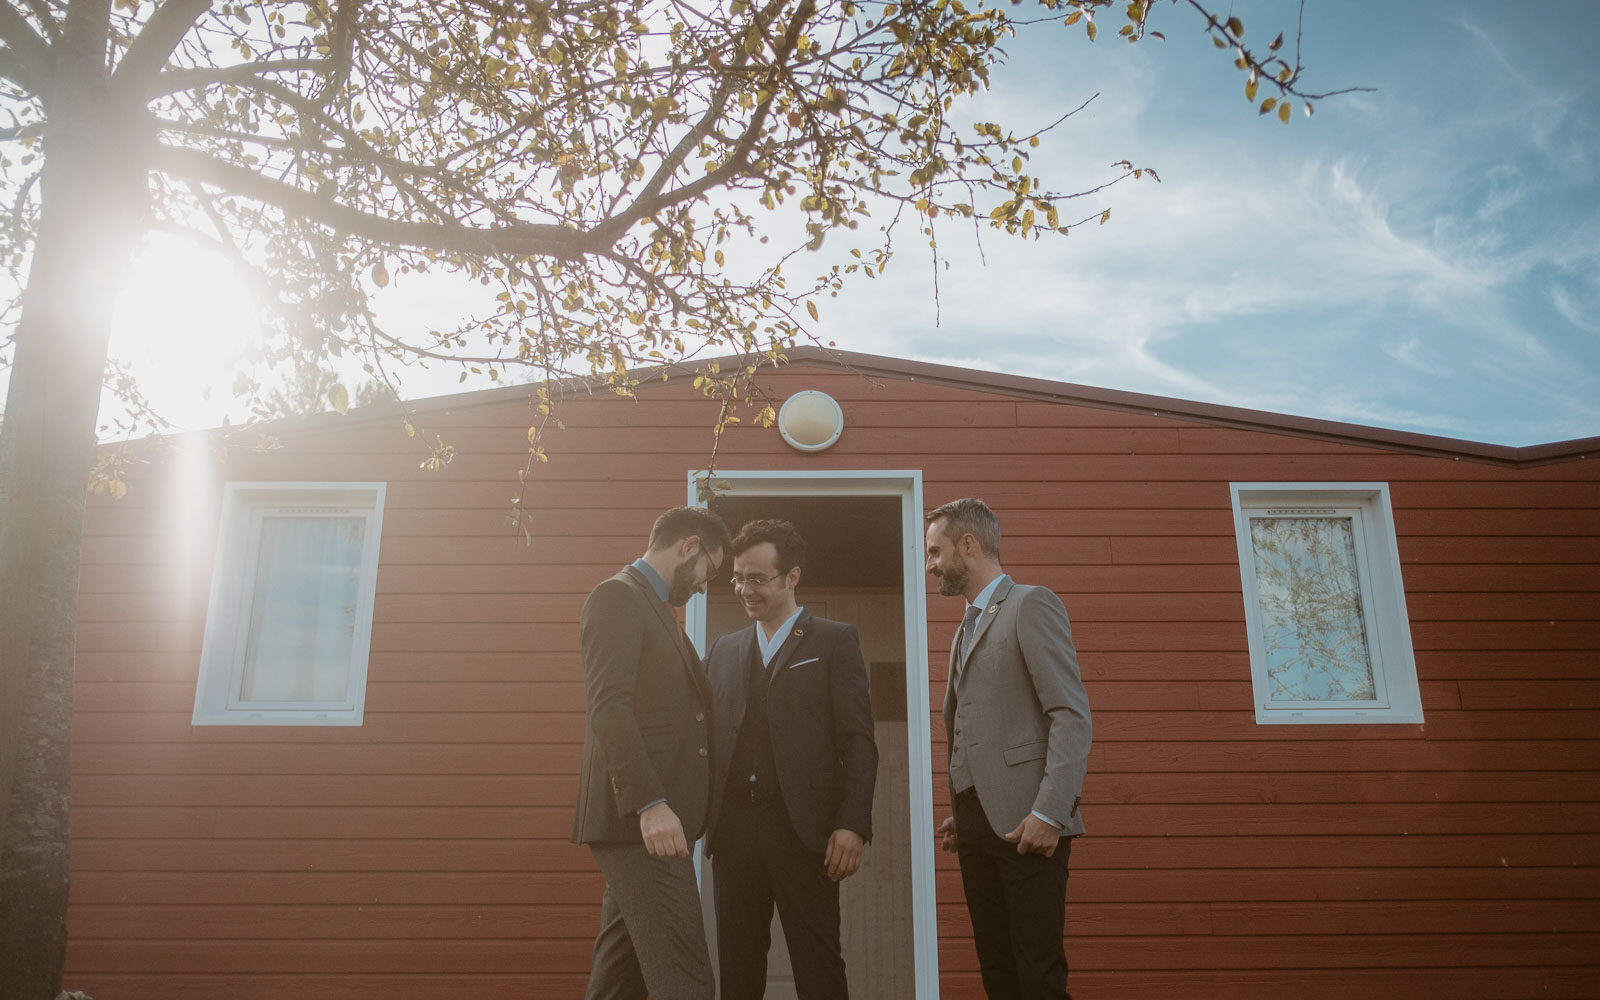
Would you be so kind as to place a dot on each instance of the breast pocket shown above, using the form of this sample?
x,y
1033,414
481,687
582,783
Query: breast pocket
x,y
1024,752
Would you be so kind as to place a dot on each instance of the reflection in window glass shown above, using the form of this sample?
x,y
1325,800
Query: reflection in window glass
x,y
1310,597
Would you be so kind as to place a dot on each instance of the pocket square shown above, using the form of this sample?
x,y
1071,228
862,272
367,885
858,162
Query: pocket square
x,y
802,663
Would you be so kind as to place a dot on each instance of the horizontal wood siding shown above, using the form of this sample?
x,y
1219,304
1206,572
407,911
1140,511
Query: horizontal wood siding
x,y
425,853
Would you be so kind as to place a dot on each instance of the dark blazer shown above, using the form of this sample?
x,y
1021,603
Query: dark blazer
x,y
1019,697
648,732
819,711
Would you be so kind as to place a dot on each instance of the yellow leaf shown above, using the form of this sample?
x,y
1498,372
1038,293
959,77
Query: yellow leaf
x,y
1092,30
1250,89
1284,110
1105,216
339,396
380,274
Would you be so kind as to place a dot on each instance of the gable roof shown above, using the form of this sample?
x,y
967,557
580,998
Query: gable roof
x,y
1020,387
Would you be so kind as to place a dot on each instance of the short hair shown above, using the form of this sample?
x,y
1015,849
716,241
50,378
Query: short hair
x,y
969,516
783,535
675,525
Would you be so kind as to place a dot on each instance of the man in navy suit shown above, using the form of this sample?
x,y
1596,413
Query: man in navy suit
x,y
796,763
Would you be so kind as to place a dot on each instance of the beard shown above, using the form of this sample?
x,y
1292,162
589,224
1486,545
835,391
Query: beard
x,y
683,584
953,580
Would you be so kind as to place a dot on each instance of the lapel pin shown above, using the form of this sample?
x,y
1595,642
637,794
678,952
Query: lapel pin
x,y
993,608
799,631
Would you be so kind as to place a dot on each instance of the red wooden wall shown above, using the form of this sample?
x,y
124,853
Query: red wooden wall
x,y
425,853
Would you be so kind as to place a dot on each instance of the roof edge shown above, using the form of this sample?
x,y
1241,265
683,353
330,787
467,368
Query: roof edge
x,y
1018,386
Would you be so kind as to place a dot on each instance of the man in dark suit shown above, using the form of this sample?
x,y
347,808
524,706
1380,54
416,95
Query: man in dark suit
x,y
645,789
1017,720
796,763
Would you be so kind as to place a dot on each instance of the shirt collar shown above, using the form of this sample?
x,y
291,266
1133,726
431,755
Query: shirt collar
x,y
769,647
656,583
986,593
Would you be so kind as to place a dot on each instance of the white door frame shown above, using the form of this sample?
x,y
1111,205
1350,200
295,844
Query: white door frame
x,y
907,485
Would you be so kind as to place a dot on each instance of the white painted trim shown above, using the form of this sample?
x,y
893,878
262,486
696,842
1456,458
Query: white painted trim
x,y
907,485
1398,698
215,703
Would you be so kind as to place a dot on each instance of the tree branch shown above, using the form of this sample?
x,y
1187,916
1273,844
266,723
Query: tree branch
x,y
154,45
28,56
343,47
513,240
652,200
47,19
170,81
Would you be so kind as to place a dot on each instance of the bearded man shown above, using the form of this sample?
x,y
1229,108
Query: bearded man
x,y
1017,721
644,791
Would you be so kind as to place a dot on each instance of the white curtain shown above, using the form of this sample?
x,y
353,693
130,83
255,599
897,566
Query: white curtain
x,y
303,609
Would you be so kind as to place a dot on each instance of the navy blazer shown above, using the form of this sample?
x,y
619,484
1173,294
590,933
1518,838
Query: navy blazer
x,y
647,735
819,711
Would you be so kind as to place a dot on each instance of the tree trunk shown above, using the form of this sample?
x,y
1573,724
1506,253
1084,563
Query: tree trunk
x,y
93,191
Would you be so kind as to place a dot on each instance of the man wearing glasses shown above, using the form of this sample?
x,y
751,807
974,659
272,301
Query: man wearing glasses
x,y
796,764
645,788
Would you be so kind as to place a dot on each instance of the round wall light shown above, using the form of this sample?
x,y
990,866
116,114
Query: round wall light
x,y
811,420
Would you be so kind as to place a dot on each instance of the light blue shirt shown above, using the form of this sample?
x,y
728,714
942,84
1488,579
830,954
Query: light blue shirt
x,y
649,571
983,595
769,647
982,604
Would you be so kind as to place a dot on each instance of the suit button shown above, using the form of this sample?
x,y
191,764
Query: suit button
x,y
702,751
700,717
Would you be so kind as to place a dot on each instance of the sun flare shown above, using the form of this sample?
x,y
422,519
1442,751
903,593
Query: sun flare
x,y
181,325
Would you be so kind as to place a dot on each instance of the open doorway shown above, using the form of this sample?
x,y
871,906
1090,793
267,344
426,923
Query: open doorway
x,y
863,566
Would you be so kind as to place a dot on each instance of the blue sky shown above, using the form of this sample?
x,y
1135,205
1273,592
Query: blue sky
x,y
1423,257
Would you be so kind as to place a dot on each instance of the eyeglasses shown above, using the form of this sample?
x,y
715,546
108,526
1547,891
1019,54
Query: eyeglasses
x,y
753,580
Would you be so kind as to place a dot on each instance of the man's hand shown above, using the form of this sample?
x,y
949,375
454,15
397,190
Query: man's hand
x,y
1034,836
663,832
947,834
844,854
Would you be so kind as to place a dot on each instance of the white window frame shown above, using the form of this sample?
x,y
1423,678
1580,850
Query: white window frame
x,y
1397,698
217,699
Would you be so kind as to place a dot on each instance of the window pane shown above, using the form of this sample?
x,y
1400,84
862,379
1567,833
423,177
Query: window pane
x,y
303,609
1315,632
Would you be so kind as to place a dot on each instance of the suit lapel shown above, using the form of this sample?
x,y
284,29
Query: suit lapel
x,y
985,618
675,633
791,643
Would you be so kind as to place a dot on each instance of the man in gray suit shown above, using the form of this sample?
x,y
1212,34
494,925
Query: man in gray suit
x,y
644,790
1017,721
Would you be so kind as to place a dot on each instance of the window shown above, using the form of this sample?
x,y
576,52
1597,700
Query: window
x,y
290,619
1326,613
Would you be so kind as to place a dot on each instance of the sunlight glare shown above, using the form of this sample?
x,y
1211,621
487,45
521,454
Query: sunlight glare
x,y
181,324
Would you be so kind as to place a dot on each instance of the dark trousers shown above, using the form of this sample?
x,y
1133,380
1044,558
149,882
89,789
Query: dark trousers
x,y
1017,903
652,938
759,862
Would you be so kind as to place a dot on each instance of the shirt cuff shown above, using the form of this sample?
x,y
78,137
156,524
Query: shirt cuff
x,y
1047,819
640,811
